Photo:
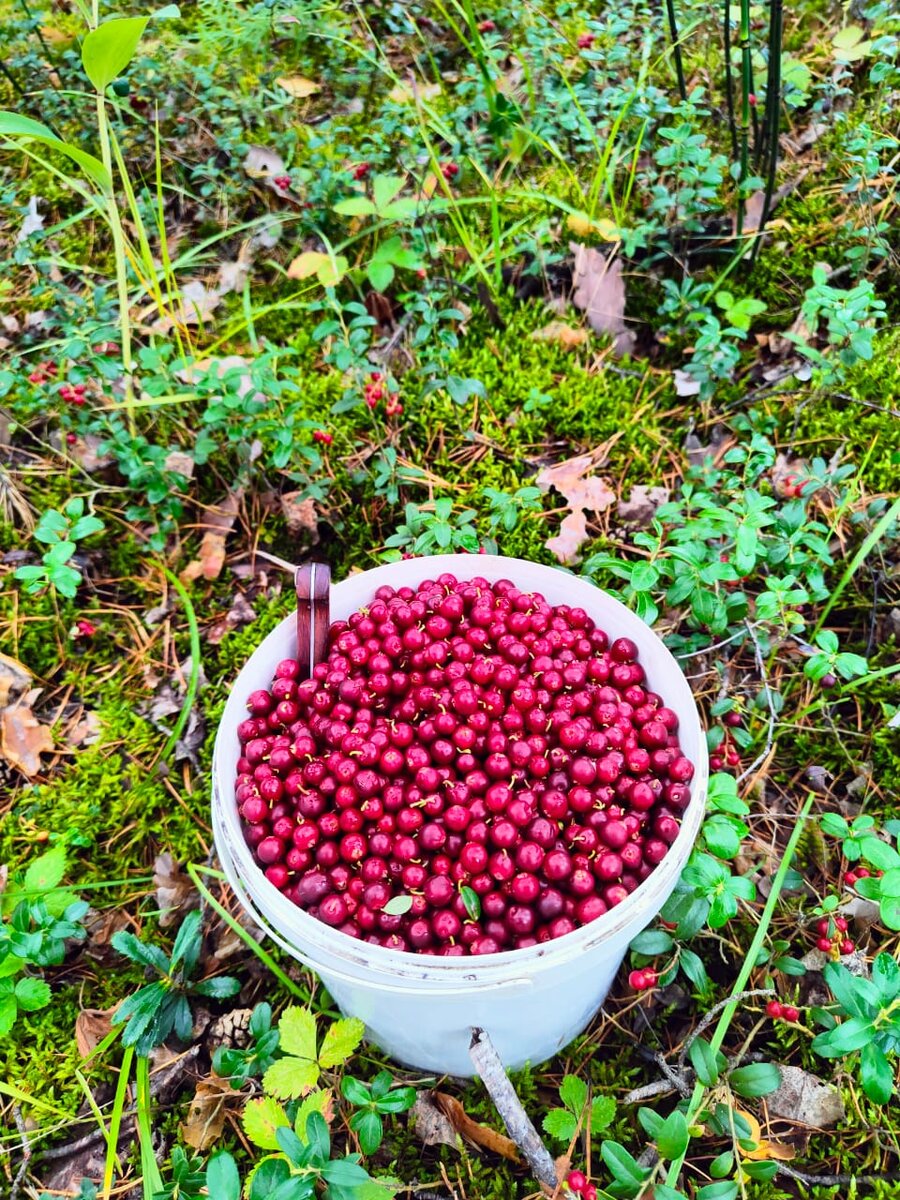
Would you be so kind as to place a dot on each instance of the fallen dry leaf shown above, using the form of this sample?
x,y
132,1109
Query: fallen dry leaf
x,y
91,1027
685,384
599,291
298,86
32,223
433,1128
262,162
175,894
300,514
640,508
405,93
241,613
217,522
14,679
329,269
584,226
86,731
472,1131
23,739
806,1100
765,1150
559,333
583,493
206,1116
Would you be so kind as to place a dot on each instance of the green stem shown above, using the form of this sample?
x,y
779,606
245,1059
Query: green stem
x,y
193,683
740,984
152,1179
676,48
118,234
115,1121
746,93
729,82
236,927
773,112
857,560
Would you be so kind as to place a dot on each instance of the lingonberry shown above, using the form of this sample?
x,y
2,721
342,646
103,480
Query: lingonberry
x,y
789,1013
775,1009
461,735
576,1180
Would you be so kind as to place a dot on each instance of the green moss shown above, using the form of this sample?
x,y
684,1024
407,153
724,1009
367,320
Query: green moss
x,y
853,420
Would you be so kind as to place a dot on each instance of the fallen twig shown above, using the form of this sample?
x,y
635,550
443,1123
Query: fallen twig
x,y
773,716
518,1124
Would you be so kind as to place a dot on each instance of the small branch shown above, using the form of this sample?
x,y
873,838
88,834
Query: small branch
x,y
518,1124
834,1180
712,1014
26,1152
773,716
639,1095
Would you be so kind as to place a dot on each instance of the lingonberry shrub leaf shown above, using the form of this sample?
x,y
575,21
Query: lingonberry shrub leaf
x,y
755,1079
222,1179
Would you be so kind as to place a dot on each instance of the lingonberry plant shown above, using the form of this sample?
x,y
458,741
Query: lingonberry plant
x,y
871,1025
497,759
374,1101
238,1064
61,532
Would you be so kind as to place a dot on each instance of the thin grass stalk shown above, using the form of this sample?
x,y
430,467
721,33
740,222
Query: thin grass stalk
x,y
746,93
729,79
868,545
194,681
151,1179
773,111
676,48
750,962
115,1121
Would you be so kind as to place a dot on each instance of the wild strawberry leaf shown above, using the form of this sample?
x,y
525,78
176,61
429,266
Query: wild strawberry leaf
x,y
340,1041
261,1119
291,1077
560,1123
297,1030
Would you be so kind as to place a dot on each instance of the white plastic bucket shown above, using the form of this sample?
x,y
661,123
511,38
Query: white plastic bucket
x,y
420,1008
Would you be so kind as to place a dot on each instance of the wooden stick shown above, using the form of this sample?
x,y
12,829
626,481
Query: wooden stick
x,y
518,1124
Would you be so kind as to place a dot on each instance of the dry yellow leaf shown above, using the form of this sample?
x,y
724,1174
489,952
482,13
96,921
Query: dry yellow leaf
x,y
765,1151
583,226
298,86
405,93
561,334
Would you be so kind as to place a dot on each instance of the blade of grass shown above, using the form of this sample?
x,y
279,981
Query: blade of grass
x,y
740,984
235,926
191,693
868,545
115,1120
676,48
152,1179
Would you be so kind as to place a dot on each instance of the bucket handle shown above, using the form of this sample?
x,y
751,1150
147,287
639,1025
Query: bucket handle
x,y
326,970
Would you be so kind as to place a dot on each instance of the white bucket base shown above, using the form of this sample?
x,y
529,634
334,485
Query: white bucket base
x,y
420,1009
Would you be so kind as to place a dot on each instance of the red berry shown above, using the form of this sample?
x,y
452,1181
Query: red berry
x,y
585,41
847,946
774,1009
320,435
850,878
486,27
576,1180
790,1013
589,1192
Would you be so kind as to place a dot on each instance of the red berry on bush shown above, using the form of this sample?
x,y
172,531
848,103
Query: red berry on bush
x,y
576,1180
847,946
774,1009
320,435
585,41
790,1013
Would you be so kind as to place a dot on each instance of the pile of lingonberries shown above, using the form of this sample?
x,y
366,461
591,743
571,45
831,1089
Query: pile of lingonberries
x,y
471,770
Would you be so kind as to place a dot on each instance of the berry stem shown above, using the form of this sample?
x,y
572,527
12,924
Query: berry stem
x,y
740,984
